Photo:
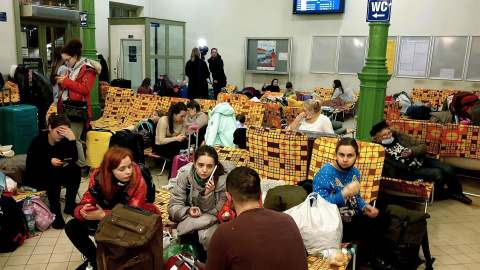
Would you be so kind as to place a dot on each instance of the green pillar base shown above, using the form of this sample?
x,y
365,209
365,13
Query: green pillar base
x,y
373,82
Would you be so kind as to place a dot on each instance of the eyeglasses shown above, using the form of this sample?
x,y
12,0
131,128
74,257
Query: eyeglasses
x,y
67,60
387,135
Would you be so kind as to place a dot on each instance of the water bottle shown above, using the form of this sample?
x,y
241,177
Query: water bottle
x,y
27,189
28,211
89,267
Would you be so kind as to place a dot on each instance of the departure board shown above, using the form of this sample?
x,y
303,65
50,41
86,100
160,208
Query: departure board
x,y
318,6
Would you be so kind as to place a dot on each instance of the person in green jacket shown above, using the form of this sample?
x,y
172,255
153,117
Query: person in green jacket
x,y
221,126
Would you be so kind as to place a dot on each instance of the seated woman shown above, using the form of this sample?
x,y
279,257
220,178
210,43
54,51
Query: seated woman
x,y
311,118
146,87
170,132
338,183
340,96
198,118
273,87
51,164
117,180
197,199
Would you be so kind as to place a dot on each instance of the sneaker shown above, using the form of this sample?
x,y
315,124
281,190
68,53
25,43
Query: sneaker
x,y
84,266
462,198
58,223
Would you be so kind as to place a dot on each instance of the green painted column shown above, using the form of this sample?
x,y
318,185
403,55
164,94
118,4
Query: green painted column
x,y
90,52
373,81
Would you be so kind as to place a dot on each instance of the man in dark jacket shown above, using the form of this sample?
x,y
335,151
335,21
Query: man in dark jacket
x,y
216,68
405,159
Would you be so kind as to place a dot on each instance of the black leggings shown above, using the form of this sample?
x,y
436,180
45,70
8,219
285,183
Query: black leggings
x,y
68,177
78,232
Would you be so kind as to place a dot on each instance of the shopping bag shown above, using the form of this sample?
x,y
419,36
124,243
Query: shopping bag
x,y
319,223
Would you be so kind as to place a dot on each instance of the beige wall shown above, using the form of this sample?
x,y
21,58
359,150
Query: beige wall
x,y
102,12
225,24
8,51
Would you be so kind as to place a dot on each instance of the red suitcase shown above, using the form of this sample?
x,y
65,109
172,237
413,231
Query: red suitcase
x,y
185,156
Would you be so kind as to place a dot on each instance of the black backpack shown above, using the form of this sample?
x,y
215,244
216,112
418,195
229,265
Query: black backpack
x,y
407,231
13,225
132,141
166,85
147,176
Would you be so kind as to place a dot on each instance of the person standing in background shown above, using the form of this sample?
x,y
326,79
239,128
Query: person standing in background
x,y
218,74
58,68
197,72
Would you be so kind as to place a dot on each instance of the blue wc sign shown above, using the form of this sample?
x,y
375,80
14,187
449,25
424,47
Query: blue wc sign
x,y
83,19
379,10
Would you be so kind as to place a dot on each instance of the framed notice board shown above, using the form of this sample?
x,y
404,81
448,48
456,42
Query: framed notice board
x,y
351,56
324,54
414,56
268,55
448,57
473,64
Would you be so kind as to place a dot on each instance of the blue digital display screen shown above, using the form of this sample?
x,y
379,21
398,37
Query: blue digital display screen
x,y
318,6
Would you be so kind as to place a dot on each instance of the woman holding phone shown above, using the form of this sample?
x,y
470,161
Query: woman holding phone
x,y
197,199
117,180
51,164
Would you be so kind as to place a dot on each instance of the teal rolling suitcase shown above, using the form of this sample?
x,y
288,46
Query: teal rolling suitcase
x,y
18,126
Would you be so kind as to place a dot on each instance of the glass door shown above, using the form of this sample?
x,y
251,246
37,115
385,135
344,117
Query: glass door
x,y
132,62
55,37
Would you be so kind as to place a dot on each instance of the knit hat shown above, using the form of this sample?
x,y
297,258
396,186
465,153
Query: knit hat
x,y
378,127
468,100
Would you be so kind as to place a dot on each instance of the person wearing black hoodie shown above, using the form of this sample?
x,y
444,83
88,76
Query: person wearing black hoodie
x,y
216,68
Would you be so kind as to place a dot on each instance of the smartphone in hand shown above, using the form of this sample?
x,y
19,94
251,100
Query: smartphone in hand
x,y
90,208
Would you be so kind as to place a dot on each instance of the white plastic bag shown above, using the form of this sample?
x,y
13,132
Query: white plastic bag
x,y
320,224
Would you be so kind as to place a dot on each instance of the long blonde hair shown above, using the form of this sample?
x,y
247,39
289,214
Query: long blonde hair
x,y
195,54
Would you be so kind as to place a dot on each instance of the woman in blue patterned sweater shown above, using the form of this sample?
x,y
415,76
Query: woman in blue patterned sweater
x,y
338,182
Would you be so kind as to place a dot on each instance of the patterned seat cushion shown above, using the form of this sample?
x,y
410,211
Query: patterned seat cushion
x,y
230,88
422,94
272,115
235,155
460,141
117,104
15,93
162,198
253,111
278,154
206,104
391,111
141,107
231,98
369,163
323,93
290,113
429,133
420,190
51,109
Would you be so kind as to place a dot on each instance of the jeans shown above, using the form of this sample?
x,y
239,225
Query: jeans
x,y
77,129
442,174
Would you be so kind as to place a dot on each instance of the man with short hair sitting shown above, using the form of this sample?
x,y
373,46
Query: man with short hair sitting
x,y
405,159
258,238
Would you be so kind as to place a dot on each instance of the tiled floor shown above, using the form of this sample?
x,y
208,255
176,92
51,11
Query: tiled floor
x,y
454,233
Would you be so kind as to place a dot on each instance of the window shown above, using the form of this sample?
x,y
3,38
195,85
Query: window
x,y
117,11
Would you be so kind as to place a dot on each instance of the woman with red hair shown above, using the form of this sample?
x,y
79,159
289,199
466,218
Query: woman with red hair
x,y
117,180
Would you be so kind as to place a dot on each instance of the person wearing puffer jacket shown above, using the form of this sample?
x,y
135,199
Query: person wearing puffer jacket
x,y
77,85
221,126
197,198
117,180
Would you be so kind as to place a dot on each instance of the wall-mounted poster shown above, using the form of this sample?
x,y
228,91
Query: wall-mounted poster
x,y
266,54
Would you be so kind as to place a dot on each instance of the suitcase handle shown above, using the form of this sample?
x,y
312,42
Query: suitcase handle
x,y
193,127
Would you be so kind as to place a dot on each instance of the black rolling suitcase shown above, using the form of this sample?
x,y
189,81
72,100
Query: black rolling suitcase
x,y
132,141
122,83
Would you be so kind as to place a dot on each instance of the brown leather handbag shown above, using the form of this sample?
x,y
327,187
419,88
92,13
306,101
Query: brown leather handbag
x,y
129,238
